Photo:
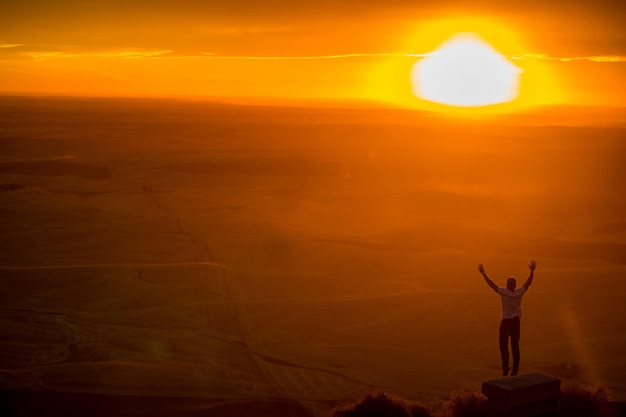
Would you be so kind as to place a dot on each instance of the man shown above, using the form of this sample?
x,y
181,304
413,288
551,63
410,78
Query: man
x,y
511,313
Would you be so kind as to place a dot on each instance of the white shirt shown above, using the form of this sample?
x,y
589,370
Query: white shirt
x,y
511,302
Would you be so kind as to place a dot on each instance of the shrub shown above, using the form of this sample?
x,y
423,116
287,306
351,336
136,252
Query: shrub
x,y
579,401
381,405
467,402
418,411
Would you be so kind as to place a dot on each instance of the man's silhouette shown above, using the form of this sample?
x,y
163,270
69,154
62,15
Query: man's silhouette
x,y
511,313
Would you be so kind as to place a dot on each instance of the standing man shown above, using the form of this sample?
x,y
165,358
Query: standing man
x,y
511,313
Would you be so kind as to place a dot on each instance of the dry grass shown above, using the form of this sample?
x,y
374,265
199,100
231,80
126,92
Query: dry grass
x,y
466,402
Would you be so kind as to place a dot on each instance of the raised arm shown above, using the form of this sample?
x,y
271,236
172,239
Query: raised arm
x,y
532,265
489,282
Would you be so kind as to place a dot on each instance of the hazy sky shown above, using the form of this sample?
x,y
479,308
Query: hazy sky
x,y
292,48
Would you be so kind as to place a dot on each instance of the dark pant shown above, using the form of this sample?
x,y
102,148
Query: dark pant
x,y
509,328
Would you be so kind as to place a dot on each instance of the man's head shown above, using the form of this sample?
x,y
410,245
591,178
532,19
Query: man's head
x,y
510,283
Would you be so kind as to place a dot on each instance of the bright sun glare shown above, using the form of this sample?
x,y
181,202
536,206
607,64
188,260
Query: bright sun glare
x,y
465,71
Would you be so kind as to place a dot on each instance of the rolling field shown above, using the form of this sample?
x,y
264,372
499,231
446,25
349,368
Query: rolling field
x,y
162,256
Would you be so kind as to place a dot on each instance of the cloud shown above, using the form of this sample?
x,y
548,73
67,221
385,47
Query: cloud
x,y
171,54
598,58
309,57
595,58
603,58
102,54
233,30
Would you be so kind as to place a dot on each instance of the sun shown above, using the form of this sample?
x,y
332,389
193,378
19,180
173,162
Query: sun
x,y
465,71
464,65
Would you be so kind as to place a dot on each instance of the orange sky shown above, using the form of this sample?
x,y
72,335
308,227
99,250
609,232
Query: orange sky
x,y
571,53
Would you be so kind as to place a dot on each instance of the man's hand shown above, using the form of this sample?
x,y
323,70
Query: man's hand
x,y
489,282
532,265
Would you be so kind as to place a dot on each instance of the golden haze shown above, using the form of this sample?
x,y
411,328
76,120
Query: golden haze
x,y
304,66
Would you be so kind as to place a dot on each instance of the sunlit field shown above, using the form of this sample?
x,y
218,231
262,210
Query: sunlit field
x,y
162,256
